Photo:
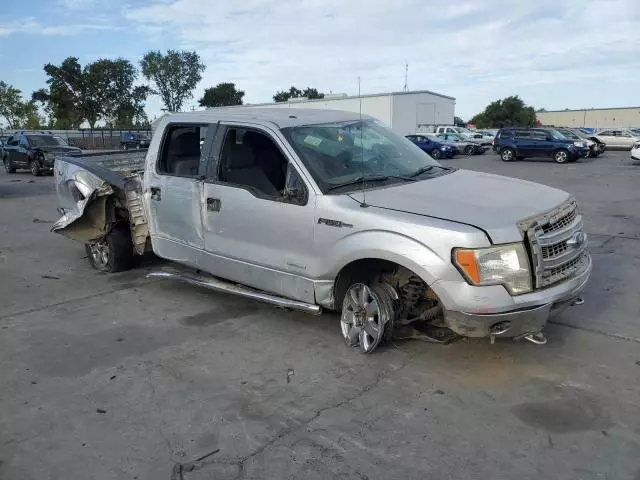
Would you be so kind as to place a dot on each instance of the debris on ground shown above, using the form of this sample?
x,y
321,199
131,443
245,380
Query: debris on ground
x,y
290,373
50,277
100,410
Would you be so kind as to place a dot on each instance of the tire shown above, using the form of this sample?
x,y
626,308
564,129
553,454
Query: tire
x,y
435,153
561,156
8,167
507,154
112,254
469,150
34,166
368,312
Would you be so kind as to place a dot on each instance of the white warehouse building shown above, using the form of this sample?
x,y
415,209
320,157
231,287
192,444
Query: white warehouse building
x,y
405,112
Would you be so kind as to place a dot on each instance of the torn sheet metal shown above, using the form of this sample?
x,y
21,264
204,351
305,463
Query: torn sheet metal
x,y
84,186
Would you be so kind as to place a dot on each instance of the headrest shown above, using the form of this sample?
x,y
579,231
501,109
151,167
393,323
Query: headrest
x,y
240,156
187,144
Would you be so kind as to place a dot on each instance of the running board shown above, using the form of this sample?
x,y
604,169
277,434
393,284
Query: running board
x,y
219,285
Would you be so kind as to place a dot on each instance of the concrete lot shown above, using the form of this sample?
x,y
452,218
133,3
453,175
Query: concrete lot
x,y
121,377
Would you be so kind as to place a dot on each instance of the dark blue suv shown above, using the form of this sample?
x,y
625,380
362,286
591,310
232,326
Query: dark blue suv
x,y
433,148
516,143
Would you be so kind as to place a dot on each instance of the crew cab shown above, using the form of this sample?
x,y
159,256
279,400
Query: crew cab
x,y
327,210
34,151
465,132
515,143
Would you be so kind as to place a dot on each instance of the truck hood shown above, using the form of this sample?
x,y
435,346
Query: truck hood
x,y
492,203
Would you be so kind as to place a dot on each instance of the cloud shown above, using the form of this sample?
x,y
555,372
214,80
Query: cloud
x,y
31,26
496,46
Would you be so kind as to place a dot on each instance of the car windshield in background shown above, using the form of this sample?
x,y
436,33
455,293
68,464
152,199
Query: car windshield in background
x,y
339,154
453,136
46,141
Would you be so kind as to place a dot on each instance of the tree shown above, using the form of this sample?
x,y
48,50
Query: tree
x,y
293,92
10,104
510,111
102,90
175,75
222,95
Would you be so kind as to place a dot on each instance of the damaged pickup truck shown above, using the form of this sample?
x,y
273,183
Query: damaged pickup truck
x,y
319,209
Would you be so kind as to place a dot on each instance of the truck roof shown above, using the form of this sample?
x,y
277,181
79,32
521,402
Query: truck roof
x,y
281,117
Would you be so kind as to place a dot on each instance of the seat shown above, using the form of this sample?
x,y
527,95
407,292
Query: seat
x,y
184,154
241,169
268,158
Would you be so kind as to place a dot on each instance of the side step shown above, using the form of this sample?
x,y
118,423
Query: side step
x,y
218,285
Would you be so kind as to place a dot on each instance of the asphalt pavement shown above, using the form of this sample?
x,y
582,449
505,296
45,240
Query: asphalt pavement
x,y
123,377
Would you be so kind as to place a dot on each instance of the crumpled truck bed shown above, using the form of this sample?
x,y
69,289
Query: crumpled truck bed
x,y
96,190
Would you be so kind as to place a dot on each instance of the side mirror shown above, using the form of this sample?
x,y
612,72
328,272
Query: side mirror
x,y
294,190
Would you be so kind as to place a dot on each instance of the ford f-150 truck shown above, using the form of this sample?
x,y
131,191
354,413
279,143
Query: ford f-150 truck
x,y
319,209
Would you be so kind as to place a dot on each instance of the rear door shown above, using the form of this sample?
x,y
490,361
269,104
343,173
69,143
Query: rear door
x,y
524,143
173,194
540,144
10,148
22,152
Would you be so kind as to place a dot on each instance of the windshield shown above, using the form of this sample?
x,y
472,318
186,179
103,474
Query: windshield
x,y
46,141
567,134
452,136
339,154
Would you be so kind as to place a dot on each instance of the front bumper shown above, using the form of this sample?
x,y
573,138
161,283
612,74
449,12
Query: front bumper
x,y
521,320
635,153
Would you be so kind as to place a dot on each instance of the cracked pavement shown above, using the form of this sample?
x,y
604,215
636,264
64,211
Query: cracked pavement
x,y
122,377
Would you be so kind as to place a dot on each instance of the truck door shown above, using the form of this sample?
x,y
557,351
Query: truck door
x,y
258,213
172,194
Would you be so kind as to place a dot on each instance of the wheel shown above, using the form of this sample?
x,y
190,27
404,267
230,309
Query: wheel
x,y
469,150
367,311
35,166
435,153
112,254
507,154
8,167
561,156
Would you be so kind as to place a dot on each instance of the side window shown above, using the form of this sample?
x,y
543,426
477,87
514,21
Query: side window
x,y
523,134
624,134
180,152
12,142
506,134
252,160
606,133
23,141
539,135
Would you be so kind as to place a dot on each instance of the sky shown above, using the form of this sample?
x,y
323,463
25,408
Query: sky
x,y
555,54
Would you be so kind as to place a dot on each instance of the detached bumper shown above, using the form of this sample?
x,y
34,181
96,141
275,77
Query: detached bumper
x,y
522,320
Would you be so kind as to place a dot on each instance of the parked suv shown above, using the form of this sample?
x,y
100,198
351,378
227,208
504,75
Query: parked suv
x,y
34,151
135,141
515,143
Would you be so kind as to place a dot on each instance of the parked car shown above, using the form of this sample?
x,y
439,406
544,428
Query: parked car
x,y
3,140
432,147
594,149
287,206
635,151
462,131
514,143
129,140
600,145
464,145
34,151
618,138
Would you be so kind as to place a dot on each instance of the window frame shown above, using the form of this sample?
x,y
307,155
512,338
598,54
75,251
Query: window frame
x,y
213,169
165,138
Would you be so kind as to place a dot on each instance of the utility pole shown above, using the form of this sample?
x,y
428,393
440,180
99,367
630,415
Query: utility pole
x,y
406,78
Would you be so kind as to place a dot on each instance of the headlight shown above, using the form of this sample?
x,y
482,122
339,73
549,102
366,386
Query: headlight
x,y
506,265
579,144
444,147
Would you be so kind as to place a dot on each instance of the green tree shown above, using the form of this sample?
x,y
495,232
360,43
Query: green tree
x,y
510,111
222,95
175,75
11,105
293,92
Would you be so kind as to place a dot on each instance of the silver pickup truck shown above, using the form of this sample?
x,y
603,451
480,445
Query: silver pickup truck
x,y
319,209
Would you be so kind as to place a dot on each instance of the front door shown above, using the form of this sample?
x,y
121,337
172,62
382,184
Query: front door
x,y
258,213
173,195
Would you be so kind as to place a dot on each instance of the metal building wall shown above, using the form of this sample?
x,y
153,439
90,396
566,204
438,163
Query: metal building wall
x,y
414,109
592,118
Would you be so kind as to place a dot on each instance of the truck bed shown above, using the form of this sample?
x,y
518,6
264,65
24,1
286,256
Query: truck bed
x,y
113,167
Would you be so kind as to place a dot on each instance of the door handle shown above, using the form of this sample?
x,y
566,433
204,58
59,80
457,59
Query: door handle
x,y
213,204
156,193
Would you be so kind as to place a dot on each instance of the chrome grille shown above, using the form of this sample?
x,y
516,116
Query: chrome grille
x,y
557,244
561,222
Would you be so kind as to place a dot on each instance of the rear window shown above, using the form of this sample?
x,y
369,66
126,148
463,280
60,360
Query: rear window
x,y
523,134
